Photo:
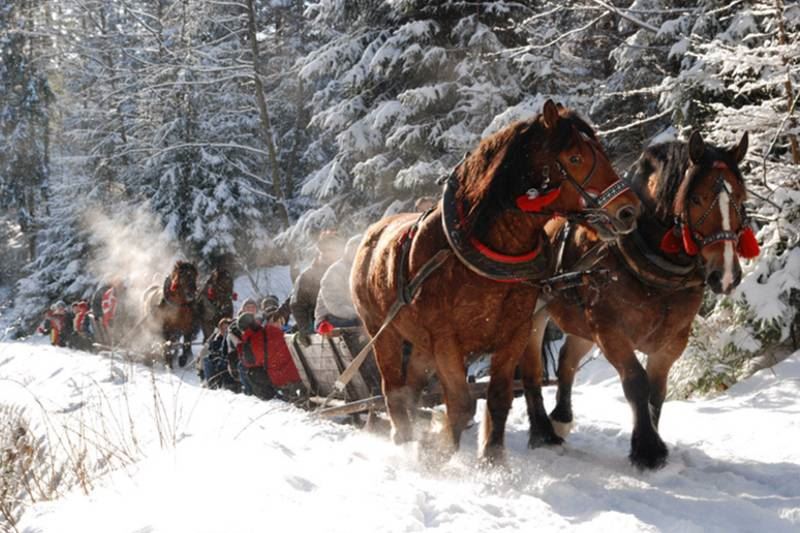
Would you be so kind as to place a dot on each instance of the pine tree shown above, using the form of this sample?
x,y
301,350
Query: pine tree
x,y
25,98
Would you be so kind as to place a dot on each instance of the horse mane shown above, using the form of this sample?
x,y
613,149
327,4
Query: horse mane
x,y
184,266
670,162
488,174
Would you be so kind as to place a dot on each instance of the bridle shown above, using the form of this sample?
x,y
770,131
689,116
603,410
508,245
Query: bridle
x,y
593,212
693,241
172,289
497,266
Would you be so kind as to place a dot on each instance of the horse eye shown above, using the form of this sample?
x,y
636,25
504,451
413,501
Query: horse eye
x,y
575,159
695,199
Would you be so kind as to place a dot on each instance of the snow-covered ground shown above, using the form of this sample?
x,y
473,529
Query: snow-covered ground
x,y
189,459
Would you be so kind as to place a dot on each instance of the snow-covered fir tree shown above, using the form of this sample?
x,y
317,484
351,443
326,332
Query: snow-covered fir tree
x,y
25,98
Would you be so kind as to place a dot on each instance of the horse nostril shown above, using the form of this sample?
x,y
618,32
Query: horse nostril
x,y
627,214
714,278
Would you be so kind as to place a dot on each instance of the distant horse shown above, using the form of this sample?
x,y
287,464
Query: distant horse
x,y
481,299
169,310
215,301
691,234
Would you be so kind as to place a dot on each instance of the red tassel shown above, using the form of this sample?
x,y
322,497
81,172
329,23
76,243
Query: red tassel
x,y
533,205
670,243
748,245
234,297
211,294
173,286
688,243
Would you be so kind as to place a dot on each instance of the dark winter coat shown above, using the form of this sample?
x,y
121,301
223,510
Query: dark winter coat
x,y
304,297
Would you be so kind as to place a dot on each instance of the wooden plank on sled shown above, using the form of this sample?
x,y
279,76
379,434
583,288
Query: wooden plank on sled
x,y
428,399
320,365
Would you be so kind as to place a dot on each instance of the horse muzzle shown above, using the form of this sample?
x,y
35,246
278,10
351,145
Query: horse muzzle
x,y
609,227
715,279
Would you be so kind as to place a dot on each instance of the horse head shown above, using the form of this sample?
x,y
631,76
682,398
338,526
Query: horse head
x,y
219,285
183,282
709,207
698,192
551,164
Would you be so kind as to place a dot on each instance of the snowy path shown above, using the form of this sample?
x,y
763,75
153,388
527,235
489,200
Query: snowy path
x,y
238,464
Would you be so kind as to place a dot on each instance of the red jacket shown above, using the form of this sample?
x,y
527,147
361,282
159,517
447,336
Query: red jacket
x,y
109,306
79,322
267,344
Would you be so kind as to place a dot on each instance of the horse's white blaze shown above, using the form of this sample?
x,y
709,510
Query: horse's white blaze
x,y
725,211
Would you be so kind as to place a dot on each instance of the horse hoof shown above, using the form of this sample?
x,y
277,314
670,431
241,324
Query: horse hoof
x,y
537,440
648,453
494,456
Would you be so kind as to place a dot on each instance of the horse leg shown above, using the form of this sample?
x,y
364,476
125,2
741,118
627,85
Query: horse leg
x,y
500,394
658,366
166,350
418,374
186,349
573,350
388,355
452,374
541,429
647,448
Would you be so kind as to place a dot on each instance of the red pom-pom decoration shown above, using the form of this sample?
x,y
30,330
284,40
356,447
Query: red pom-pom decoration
x,y
534,205
688,243
747,246
670,243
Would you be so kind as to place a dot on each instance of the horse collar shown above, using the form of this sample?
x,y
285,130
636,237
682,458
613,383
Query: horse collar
x,y
479,257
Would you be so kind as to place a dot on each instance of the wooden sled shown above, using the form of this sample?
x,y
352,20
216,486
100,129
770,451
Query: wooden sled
x,y
322,362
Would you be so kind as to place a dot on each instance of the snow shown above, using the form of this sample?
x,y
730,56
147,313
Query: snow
x,y
232,463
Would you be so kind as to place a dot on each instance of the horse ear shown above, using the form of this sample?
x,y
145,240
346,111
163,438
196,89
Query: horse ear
x,y
697,146
738,152
550,114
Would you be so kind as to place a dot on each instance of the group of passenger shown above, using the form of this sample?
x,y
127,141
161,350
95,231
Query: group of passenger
x,y
84,325
247,352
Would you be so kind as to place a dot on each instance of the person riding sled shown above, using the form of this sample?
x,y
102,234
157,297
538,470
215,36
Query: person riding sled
x,y
267,363
83,335
336,314
215,360
306,287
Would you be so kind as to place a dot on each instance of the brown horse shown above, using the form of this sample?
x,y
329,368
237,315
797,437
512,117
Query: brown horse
x,y
692,232
481,299
169,310
215,301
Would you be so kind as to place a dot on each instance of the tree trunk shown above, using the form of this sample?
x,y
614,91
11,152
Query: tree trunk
x,y
783,39
266,126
